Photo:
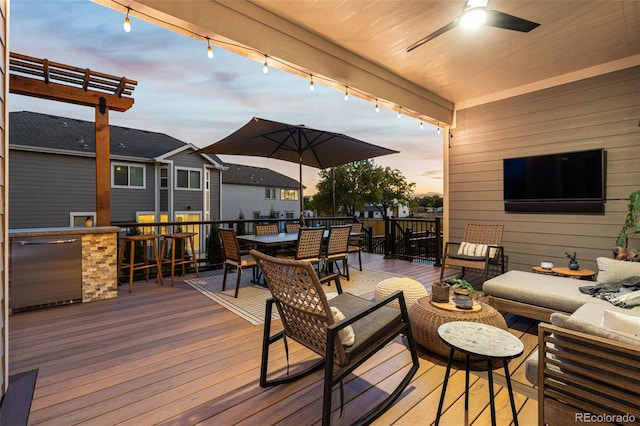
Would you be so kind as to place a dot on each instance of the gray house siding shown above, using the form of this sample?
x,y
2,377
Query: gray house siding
x,y
249,199
215,189
36,199
599,112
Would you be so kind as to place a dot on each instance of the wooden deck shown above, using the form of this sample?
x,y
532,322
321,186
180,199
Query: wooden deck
x,y
168,355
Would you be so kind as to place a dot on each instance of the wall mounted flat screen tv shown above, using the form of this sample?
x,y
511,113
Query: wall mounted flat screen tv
x,y
569,182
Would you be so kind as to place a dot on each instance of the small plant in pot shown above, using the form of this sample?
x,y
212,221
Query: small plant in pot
x,y
440,291
461,286
573,261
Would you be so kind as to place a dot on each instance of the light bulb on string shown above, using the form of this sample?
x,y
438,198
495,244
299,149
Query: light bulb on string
x,y
209,49
127,22
399,112
346,93
265,67
421,125
438,130
377,107
311,86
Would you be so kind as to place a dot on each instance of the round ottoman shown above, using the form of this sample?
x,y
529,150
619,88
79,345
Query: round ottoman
x,y
412,289
426,318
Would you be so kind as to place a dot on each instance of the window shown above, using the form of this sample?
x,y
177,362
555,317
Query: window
x,y
82,219
270,193
164,177
127,175
289,215
188,179
288,194
150,218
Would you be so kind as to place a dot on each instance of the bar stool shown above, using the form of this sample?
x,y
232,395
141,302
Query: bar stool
x,y
146,264
174,240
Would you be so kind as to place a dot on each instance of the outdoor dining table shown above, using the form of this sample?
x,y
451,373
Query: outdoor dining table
x,y
270,242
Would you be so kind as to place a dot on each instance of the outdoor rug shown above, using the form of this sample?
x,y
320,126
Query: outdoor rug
x,y
250,303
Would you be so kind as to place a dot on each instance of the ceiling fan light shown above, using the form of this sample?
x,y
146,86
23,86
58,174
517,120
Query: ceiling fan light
x,y
473,18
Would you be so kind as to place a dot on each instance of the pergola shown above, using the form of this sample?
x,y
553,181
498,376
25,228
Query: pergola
x,y
44,79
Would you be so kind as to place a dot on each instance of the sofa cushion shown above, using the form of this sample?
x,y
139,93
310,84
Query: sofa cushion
x,y
557,293
587,326
612,270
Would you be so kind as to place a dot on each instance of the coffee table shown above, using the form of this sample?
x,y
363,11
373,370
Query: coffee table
x,y
426,317
486,342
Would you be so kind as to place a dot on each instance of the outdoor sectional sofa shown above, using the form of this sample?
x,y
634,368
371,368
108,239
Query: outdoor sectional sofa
x,y
587,366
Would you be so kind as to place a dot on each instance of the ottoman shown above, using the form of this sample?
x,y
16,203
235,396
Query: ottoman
x,y
426,318
412,289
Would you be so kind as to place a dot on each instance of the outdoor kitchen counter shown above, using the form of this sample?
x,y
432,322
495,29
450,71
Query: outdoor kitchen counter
x,y
94,264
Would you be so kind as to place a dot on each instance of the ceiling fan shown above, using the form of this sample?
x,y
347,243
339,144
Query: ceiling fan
x,y
474,14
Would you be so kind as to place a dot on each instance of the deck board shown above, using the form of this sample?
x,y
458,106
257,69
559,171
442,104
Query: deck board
x,y
168,355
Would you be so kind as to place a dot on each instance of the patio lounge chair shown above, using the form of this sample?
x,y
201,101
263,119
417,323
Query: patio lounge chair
x,y
307,318
480,248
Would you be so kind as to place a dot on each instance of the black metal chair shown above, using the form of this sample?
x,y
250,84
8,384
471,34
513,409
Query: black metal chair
x,y
313,321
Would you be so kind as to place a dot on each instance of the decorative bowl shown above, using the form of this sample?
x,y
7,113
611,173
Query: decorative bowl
x,y
546,265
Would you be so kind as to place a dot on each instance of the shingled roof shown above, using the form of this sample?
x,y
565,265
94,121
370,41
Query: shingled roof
x,y
50,132
250,175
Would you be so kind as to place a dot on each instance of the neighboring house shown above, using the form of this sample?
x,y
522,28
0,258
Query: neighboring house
x,y
257,193
154,177
375,212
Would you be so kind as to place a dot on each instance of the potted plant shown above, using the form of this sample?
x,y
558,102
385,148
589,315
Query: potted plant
x,y
630,228
461,286
573,261
439,291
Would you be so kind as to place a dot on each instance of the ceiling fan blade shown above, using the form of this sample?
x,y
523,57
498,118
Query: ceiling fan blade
x,y
433,35
509,22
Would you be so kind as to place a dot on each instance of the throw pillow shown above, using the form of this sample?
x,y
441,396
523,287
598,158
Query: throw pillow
x,y
612,270
622,323
476,249
565,321
346,335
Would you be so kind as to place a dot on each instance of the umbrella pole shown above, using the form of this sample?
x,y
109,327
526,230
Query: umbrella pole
x,y
301,195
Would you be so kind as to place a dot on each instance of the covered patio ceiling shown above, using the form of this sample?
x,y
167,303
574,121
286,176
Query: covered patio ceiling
x,y
362,44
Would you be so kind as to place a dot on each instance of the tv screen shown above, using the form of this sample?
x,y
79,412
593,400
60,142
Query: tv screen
x,y
565,177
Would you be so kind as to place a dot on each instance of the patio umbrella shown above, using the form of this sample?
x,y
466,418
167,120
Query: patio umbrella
x,y
295,143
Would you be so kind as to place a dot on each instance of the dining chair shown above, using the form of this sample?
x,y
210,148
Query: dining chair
x,y
233,257
345,332
309,245
267,229
336,249
290,228
355,242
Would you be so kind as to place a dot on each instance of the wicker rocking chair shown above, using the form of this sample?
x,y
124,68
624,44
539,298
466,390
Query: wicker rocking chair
x,y
307,318
480,248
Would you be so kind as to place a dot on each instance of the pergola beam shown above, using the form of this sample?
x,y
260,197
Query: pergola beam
x,y
44,79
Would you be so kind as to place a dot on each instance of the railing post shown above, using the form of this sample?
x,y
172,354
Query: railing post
x,y
388,237
438,241
408,252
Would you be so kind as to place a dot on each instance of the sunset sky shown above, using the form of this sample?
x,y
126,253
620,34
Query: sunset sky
x,y
183,93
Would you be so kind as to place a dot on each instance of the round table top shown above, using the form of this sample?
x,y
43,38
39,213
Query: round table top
x,y
480,339
573,273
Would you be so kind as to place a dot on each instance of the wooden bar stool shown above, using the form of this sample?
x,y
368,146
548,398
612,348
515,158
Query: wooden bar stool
x,y
174,240
146,263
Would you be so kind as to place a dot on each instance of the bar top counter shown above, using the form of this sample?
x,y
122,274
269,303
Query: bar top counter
x,y
80,230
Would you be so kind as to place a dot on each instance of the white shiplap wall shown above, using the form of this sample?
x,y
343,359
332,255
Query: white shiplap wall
x,y
599,112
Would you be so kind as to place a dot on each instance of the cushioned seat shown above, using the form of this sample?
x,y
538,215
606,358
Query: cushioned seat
x,y
412,289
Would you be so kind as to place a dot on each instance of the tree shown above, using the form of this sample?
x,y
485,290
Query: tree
x,y
359,184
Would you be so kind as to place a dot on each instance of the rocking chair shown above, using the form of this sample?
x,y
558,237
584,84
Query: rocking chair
x,y
343,344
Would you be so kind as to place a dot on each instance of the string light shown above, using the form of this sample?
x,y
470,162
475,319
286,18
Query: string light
x,y
209,49
438,130
265,67
421,125
127,22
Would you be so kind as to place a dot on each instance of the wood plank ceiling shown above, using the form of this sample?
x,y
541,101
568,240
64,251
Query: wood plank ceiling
x,y
362,43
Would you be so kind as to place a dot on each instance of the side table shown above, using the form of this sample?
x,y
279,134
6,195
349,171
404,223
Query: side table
x,y
487,342
578,274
